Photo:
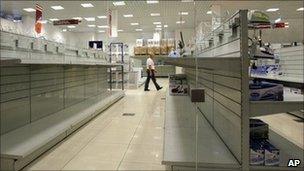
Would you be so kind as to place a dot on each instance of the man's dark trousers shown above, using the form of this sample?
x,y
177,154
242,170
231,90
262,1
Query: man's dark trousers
x,y
152,76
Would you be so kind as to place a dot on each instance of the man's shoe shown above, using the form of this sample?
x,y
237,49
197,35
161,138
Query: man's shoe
x,y
159,88
147,89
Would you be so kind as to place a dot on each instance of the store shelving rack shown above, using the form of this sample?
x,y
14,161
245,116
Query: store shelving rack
x,y
222,69
48,90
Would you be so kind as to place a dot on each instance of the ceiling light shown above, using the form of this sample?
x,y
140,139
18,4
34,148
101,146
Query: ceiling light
x,y
138,29
165,26
57,7
71,26
43,21
119,30
155,14
209,12
119,3
128,15
272,9
300,9
101,31
29,9
158,29
180,22
157,23
53,19
105,26
183,13
90,18
64,30
158,26
134,24
187,0
77,18
278,20
87,5
152,2
92,25
102,16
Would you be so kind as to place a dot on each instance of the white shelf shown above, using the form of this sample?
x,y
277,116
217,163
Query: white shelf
x,y
280,78
260,108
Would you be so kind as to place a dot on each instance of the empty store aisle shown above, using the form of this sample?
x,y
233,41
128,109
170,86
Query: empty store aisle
x,y
112,141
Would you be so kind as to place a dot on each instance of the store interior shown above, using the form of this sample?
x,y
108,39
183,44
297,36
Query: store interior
x,y
73,93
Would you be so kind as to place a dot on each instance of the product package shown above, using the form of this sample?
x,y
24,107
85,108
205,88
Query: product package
x,y
257,153
272,154
156,50
266,91
137,51
258,129
143,50
178,85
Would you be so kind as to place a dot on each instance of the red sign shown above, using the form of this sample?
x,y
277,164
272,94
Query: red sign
x,y
38,24
66,22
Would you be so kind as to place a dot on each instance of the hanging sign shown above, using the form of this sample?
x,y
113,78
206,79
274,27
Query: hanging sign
x,y
66,22
38,24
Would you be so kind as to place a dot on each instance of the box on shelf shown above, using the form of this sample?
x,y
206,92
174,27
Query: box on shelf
x,y
156,50
178,85
261,90
258,129
272,154
257,153
163,50
150,50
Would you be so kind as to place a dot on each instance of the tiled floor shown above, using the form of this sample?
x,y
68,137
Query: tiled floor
x,y
115,142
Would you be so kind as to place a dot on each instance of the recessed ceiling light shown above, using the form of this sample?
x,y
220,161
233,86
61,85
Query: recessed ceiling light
x,y
90,18
87,5
165,26
272,9
119,30
29,9
101,31
77,18
138,29
300,9
53,19
152,2
57,7
158,26
105,26
134,24
92,25
71,26
157,22
155,14
43,21
158,29
102,16
128,15
187,0
64,30
180,22
183,13
209,12
119,3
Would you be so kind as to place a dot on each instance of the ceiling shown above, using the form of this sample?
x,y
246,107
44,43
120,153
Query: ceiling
x,y
141,12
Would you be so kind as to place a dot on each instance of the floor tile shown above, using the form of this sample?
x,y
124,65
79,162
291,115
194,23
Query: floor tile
x,y
144,153
114,137
89,164
142,166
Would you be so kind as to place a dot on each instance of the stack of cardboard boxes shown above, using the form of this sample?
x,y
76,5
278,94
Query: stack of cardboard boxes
x,y
145,47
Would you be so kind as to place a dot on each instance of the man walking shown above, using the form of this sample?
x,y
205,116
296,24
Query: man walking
x,y
151,73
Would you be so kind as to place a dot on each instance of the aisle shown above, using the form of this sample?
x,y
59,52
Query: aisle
x,y
113,141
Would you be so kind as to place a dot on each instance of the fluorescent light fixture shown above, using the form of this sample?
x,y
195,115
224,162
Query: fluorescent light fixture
x,y
278,20
90,18
43,21
87,5
180,22
165,26
152,2
187,0
91,25
101,31
119,3
29,9
209,12
102,16
105,26
183,13
134,24
300,9
58,7
158,29
77,18
71,26
158,26
64,30
157,23
155,14
138,29
53,19
119,30
272,9
128,15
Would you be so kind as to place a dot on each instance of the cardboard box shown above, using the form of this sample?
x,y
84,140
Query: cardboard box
x,y
156,50
163,50
143,50
137,51
258,129
178,85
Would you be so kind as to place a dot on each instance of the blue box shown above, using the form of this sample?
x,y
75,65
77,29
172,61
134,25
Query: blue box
x,y
265,91
272,154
